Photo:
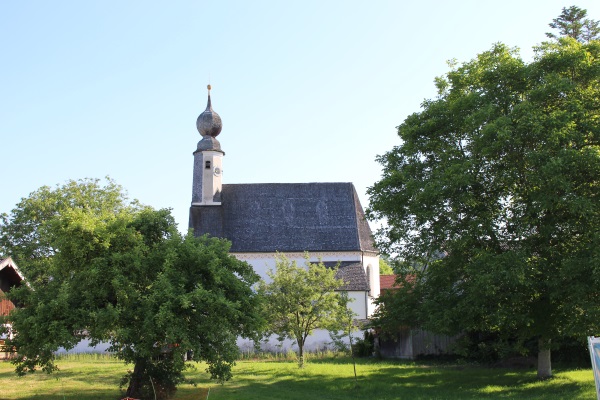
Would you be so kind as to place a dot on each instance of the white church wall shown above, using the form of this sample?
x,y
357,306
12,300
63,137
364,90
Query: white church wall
x,y
359,304
263,262
371,263
362,305
319,340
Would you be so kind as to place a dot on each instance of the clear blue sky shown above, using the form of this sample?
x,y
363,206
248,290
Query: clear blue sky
x,y
308,91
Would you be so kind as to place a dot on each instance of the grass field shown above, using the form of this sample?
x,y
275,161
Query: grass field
x,y
89,377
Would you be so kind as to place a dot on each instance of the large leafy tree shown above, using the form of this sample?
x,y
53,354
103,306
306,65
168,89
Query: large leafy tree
x,y
24,233
113,271
494,191
301,299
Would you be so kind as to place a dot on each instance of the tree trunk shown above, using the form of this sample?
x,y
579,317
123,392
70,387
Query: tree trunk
x,y
142,386
544,362
136,384
300,353
353,359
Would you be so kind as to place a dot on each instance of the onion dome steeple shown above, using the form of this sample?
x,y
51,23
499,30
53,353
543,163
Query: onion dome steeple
x,y
209,122
209,125
208,160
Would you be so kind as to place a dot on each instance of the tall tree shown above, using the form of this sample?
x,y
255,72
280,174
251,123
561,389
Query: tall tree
x,y
500,176
572,23
122,274
298,300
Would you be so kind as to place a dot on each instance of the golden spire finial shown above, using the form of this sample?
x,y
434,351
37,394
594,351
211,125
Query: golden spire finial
x,y
208,87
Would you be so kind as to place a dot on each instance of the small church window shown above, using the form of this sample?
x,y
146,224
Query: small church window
x,y
207,165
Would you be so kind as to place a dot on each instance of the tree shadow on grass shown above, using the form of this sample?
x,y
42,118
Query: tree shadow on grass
x,y
401,381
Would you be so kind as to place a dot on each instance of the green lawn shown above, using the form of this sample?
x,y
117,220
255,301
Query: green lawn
x,y
90,378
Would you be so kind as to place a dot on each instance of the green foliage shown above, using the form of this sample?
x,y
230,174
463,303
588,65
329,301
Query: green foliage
x,y
572,23
26,235
364,347
500,176
121,273
384,267
490,347
299,300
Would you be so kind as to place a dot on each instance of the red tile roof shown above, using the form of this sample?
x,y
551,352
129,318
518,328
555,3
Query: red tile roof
x,y
387,282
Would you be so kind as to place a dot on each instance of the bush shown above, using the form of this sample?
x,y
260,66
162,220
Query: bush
x,y
364,347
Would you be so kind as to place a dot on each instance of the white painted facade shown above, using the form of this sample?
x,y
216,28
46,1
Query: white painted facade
x,y
362,303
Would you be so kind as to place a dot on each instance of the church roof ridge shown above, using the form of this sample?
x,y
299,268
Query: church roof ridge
x,y
291,183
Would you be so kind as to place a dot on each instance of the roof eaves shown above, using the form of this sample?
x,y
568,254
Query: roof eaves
x,y
8,262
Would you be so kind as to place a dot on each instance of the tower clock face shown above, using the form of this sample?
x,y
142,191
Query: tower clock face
x,y
217,171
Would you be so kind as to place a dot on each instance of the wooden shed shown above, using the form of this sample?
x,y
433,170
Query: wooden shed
x,y
10,277
406,342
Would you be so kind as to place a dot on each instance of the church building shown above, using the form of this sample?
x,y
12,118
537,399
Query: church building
x,y
263,219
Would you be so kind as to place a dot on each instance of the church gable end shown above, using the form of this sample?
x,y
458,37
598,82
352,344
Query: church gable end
x,y
364,231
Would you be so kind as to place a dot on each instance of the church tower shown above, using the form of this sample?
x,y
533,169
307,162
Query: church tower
x,y
208,158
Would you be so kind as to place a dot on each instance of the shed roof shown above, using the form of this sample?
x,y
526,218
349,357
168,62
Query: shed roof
x,y
387,282
10,275
287,217
7,264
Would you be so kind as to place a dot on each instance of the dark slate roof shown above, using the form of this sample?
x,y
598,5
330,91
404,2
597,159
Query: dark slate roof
x,y
287,217
354,277
352,273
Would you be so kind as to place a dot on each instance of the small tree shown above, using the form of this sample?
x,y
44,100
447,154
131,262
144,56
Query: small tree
x,y
299,300
112,271
347,322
